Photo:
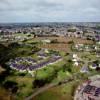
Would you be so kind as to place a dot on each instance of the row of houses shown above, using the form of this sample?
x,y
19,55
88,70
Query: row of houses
x,y
89,90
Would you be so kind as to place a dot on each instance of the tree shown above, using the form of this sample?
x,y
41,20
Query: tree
x,y
67,67
11,85
13,45
71,42
39,83
33,33
54,41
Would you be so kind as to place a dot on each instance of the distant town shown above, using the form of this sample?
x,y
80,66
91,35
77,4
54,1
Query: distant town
x,y
43,60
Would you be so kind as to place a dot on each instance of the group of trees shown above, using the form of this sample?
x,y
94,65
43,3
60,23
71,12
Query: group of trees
x,y
10,52
54,41
5,53
11,86
71,42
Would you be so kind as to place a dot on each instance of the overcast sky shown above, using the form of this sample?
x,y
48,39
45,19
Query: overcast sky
x,y
49,11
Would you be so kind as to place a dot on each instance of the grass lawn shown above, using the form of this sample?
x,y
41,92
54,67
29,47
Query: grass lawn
x,y
48,95
44,73
87,56
76,69
62,75
24,84
47,71
63,92
20,34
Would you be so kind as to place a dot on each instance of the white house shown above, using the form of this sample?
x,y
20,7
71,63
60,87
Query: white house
x,y
75,56
76,63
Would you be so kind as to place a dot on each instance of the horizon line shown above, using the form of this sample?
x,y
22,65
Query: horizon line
x,y
50,22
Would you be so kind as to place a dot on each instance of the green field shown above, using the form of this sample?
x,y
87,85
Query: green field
x,y
63,92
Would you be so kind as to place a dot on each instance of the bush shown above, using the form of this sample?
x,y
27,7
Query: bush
x,y
10,85
39,83
54,41
71,42
14,45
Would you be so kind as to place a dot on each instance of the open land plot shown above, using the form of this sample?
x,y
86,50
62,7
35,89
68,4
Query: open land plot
x,y
4,94
63,92
63,43
58,47
64,39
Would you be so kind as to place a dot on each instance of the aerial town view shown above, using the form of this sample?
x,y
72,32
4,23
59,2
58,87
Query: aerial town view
x,y
49,50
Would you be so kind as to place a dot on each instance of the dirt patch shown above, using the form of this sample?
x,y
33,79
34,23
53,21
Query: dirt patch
x,y
65,39
63,43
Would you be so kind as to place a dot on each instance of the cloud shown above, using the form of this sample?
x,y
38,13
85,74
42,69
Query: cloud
x,y
49,10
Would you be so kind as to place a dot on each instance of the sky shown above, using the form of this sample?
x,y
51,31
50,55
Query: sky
x,y
12,11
